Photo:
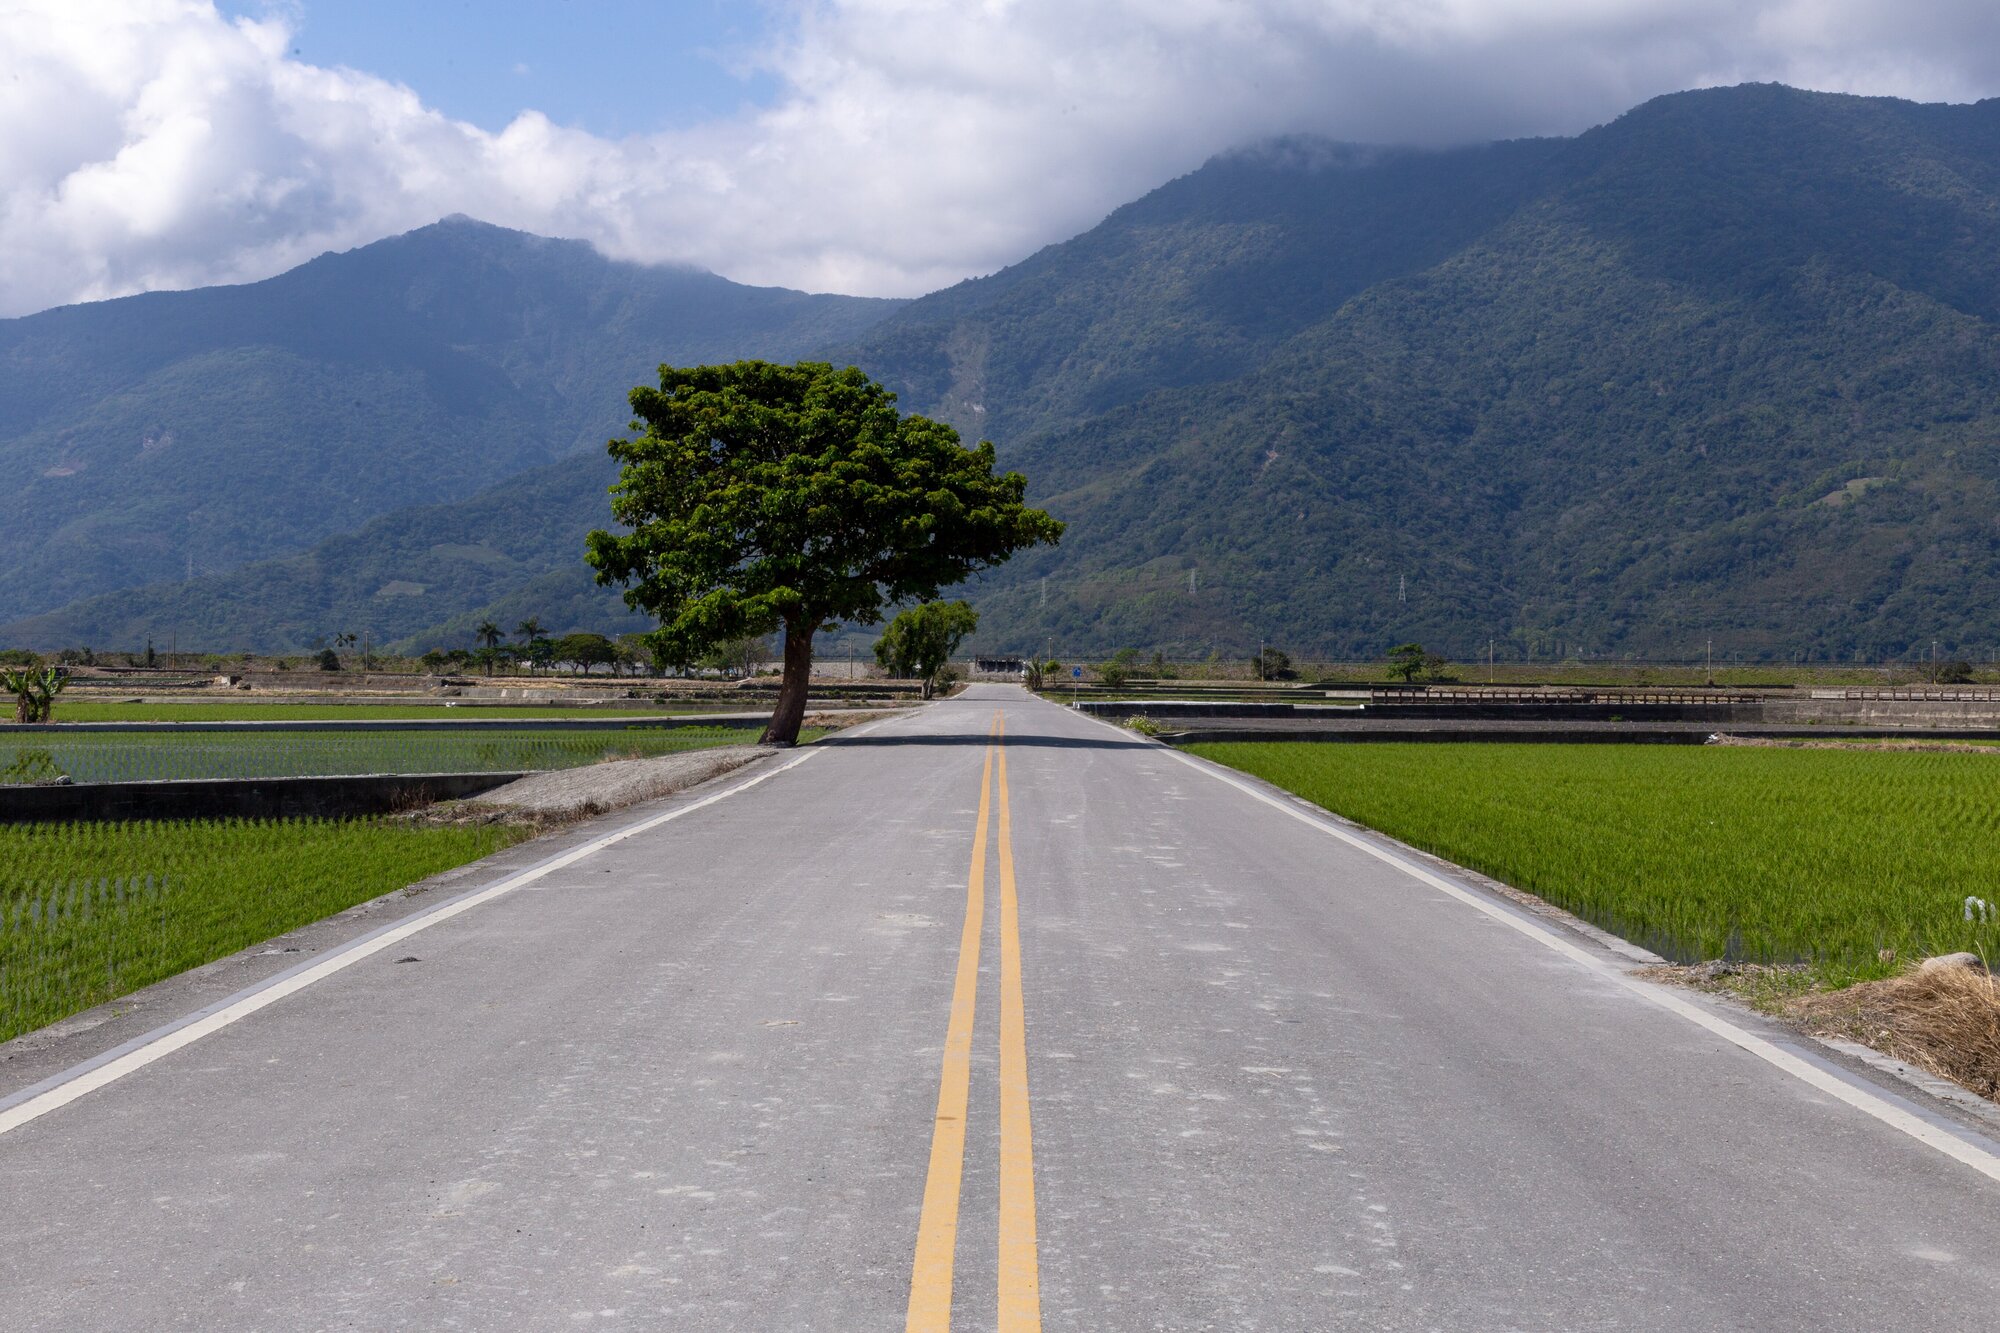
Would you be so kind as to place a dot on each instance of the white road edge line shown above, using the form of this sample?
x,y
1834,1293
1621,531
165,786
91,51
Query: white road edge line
x,y
61,1089
1861,1099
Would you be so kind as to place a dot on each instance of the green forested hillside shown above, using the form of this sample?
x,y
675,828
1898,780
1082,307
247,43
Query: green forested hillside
x,y
1727,366
1196,283
212,428
1730,370
508,553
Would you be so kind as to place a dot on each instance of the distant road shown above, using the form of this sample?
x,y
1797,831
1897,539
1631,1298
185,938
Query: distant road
x,y
1201,1064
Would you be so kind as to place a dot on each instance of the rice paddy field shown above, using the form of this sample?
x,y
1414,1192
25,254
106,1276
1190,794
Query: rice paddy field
x,y
235,710
152,757
89,912
1855,862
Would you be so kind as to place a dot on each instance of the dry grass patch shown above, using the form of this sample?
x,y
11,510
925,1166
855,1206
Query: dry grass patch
x,y
1944,1020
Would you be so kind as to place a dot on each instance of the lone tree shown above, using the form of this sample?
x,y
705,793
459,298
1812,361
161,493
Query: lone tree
x,y
920,640
535,644
1411,660
585,649
764,497
488,635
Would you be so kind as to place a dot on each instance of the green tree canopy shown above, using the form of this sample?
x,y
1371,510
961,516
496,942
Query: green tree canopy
x,y
1413,660
922,638
584,649
763,497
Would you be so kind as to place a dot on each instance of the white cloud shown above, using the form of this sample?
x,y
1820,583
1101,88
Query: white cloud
x,y
155,143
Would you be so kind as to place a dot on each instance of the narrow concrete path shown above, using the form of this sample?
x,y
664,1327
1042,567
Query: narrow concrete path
x,y
1218,1071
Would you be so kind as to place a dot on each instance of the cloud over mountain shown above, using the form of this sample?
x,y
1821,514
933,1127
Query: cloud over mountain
x,y
157,143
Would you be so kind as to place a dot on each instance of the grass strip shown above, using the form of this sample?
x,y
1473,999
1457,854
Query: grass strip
x,y
1852,862
89,912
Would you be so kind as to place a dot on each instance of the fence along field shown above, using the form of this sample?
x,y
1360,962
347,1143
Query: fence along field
x,y
1853,862
89,912
125,757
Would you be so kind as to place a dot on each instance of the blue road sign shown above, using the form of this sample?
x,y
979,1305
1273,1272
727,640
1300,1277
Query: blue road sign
x,y
1076,673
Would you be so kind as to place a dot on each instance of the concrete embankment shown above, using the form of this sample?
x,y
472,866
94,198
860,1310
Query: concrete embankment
x,y
241,798
1577,718
1192,731
568,793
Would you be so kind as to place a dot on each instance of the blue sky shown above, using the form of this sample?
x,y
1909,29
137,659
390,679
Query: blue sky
x,y
612,67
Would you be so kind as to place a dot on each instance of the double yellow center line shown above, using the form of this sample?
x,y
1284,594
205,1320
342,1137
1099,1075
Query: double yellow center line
x,y
937,1226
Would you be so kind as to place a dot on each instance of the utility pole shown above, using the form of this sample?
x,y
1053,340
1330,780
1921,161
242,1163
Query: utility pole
x,y
1489,661
1260,660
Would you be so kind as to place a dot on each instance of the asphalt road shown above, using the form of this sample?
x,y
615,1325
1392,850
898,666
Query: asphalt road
x,y
1211,1067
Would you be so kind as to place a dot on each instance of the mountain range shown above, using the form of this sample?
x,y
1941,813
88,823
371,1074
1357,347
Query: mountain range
x,y
206,432
1724,367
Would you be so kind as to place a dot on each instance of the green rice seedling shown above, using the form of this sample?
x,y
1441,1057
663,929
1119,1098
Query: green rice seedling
x,y
73,709
1854,862
89,912
152,757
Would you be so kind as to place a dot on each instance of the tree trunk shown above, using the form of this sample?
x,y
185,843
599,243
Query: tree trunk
x,y
791,708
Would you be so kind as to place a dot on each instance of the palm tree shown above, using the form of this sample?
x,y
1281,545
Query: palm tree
x,y
529,631
488,633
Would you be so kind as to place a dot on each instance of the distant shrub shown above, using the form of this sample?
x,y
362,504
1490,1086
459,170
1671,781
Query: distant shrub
x,y
1121,667
1957,672
1273,664
329,660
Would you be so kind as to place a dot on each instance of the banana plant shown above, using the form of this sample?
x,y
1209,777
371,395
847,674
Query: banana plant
x,y
34,690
